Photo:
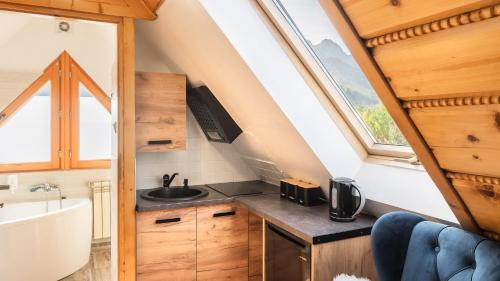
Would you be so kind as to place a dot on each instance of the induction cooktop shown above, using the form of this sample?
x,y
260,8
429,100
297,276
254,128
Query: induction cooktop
x,y
232,189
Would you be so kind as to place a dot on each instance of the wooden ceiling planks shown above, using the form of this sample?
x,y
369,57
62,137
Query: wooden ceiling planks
x,y
441,59
455,62
481,195
139,9
379,17
399,114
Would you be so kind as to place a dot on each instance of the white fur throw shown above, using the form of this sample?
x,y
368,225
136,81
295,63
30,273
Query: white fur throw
x,y
345,277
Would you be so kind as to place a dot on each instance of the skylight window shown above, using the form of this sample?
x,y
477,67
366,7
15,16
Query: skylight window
x,y
325,55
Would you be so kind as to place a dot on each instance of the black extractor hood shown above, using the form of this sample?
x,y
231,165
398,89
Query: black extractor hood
x,y
214,120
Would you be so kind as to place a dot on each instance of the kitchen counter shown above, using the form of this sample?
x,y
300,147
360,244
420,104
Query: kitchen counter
x,y
213,197
312,224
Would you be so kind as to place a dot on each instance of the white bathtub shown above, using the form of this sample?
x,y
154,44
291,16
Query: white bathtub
x,y
39,241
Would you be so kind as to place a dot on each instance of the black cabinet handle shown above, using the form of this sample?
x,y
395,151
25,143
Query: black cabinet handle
x,y
158,142
224,214
160,221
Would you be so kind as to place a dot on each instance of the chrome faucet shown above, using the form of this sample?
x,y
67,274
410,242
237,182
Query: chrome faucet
x,y
44,187
47,187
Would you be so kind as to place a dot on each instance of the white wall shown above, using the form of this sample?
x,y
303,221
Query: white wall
x,y
72,183
35,41
227,46
202,162
186,39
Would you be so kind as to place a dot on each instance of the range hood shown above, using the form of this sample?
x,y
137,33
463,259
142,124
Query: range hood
x,y
214,120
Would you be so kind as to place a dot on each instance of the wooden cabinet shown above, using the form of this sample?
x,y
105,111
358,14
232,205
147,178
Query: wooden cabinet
x,y
160,112
166,245
255,247
222,243
204,243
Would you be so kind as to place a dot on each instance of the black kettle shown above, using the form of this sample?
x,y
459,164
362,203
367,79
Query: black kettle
x,y
346,200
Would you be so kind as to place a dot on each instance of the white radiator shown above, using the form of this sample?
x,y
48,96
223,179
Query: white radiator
x,y
102,208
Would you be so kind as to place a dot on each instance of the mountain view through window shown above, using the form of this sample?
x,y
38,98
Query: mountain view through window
x,y
314,28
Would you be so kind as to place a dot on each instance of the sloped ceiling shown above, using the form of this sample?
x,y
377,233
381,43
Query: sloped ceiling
x,y
184,39
441,60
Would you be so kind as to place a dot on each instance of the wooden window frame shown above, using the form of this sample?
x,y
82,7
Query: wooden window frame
x,y
51,73
78,75
64,75
334,96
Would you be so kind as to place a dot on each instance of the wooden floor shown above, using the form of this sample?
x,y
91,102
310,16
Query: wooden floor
x,y
98,268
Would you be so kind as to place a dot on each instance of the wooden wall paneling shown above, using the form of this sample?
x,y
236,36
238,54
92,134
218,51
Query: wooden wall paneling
x,y
126,151
482,196
46,10
459,126
255,244
378,17
458,62
160,111
119,8
398,113
222,243
476,161
435,26
166,250
351,256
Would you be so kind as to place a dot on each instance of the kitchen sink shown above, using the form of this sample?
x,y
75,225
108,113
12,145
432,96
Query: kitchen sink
x,y
175,194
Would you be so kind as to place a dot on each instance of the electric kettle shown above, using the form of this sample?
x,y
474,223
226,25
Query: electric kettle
x,y
346,200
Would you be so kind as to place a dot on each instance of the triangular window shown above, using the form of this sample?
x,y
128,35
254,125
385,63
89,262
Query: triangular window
x,y
61,121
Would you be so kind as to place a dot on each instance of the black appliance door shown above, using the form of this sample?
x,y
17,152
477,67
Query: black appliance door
x,y
287,257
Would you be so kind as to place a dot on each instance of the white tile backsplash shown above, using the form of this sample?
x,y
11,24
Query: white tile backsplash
x,y
202,162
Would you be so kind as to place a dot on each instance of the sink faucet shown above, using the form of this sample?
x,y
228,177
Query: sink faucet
x,y
167,179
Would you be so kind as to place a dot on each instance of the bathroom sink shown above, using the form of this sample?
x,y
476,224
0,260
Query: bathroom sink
x,y
175,194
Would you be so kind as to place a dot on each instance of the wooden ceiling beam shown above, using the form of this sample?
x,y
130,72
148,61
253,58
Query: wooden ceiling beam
x,y
386,94
103,10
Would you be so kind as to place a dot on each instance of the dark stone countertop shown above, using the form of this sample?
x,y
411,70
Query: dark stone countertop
x,y
312,224
213,197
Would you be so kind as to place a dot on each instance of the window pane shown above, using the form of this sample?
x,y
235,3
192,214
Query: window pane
x,y
26,136
95,127
312,25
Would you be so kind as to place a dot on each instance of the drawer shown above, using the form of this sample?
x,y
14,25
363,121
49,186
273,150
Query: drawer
x,y
166,245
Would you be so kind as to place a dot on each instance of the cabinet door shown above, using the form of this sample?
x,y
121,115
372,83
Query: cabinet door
x,y
255,245
160,112
166,245
222,242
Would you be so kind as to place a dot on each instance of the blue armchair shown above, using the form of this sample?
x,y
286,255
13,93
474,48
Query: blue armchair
x,y
406,247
